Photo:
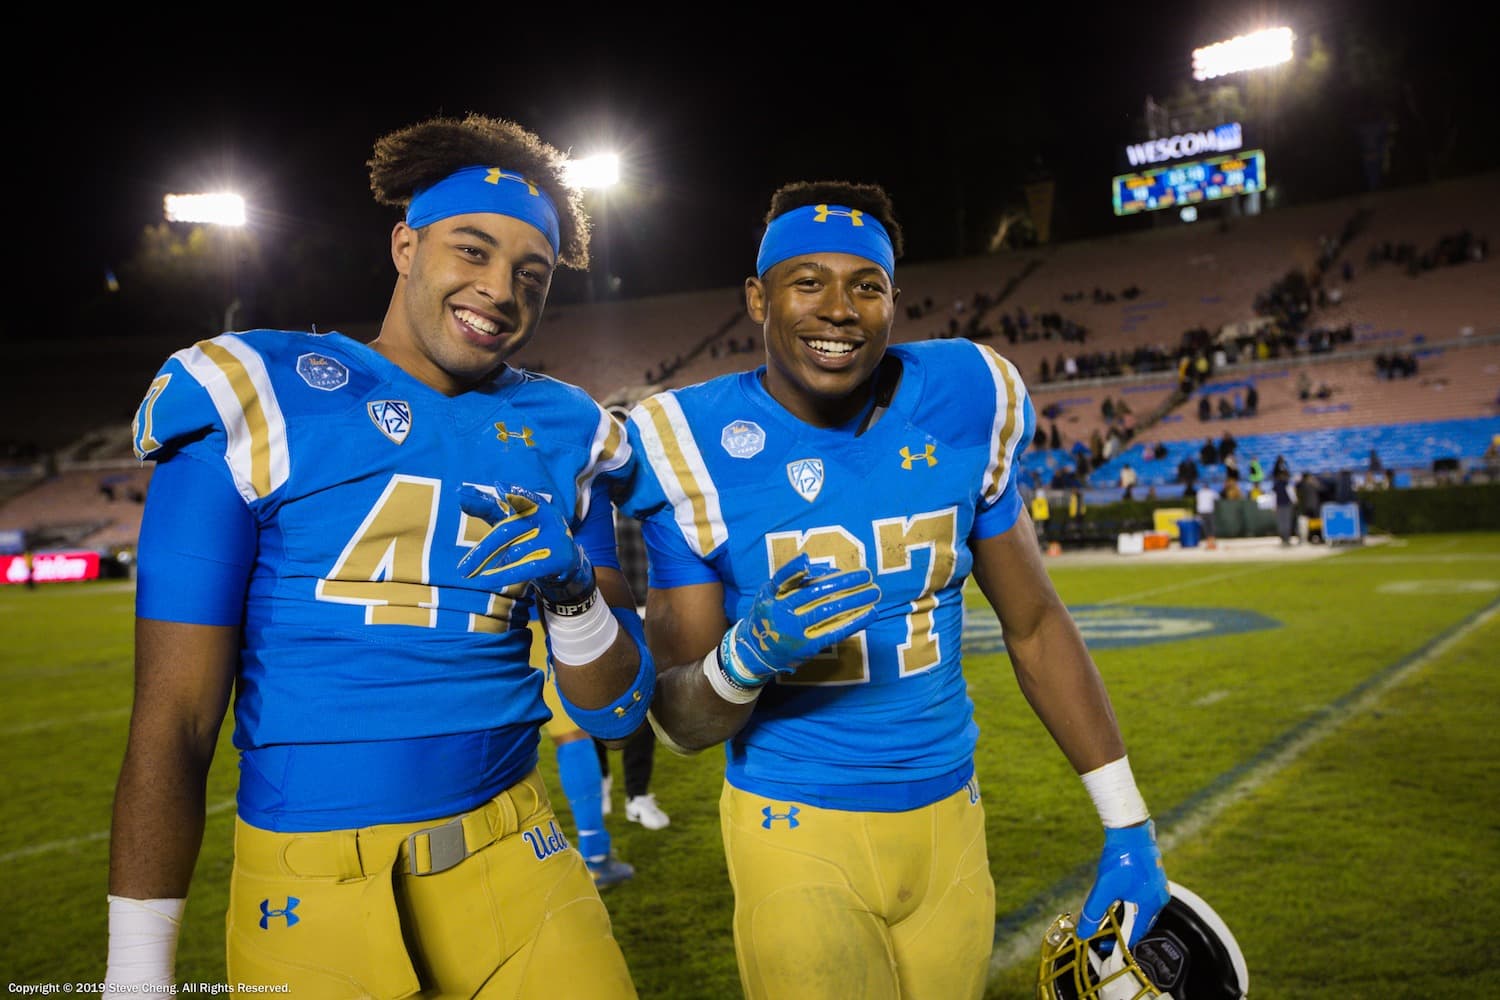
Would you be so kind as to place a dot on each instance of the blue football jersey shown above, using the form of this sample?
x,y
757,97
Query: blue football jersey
x,y
726,476
376,684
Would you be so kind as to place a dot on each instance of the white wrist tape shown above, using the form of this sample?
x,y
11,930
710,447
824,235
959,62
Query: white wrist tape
x,y
724,687
582,638
143,941
1112,787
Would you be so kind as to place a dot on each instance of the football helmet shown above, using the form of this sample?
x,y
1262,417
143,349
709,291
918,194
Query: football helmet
x,y
1188,954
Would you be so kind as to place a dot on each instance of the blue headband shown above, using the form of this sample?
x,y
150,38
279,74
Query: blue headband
x,y
826,229
486,189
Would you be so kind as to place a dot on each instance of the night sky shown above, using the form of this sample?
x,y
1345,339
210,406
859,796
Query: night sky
x,y
952,119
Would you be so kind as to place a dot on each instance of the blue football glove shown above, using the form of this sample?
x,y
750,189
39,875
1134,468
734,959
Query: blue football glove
x,y
1130,872
799,612
529,541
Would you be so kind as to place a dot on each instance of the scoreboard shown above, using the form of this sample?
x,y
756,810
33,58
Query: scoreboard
x,y
1190,183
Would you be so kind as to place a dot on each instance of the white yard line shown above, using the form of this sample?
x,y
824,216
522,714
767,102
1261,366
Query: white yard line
x,y
32,727
88,838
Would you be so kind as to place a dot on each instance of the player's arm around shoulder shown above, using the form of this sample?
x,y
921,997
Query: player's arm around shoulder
x,y
684,625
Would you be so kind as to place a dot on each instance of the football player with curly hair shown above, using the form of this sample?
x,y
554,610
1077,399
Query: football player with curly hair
x,y
352,538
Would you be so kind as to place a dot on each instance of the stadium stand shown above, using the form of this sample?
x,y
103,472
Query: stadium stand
x,y
1311,294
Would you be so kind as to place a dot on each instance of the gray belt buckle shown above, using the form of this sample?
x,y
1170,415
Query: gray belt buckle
x,y
445,846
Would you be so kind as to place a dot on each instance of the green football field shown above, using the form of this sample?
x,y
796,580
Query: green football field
x,y
1316,738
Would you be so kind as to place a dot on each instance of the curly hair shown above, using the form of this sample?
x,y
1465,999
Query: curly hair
x,y
417,156
868,198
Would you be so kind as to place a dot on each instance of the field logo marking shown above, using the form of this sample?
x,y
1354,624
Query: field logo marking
x,y
1113,626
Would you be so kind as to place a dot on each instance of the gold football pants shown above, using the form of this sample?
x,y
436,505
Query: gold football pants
x,y
492,903
834,904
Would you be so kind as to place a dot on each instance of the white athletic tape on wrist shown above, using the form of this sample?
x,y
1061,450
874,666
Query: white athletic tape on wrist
x,y
1112,787
724,687
143,941
583,638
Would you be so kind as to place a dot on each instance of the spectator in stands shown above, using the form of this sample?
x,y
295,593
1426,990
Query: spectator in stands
x,y
1205,409
1209,453
1257,477
1252,400
1492,460
1187,475
1127,482
1304,385
1226,408
1082,457
1232,488
1227,445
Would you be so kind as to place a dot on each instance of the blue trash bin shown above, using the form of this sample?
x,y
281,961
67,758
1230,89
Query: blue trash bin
x,y
1189,532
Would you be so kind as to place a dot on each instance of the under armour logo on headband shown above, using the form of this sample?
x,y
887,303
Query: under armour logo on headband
x,y
854,215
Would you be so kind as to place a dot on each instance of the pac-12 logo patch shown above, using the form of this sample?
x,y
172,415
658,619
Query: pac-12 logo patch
x,y
392,416
806,475
743,438
322,373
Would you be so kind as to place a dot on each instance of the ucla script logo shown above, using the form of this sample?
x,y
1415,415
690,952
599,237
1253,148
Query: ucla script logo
x,y
545,843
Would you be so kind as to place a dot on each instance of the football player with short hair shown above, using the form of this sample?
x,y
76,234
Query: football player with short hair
x,y
811,526
352,538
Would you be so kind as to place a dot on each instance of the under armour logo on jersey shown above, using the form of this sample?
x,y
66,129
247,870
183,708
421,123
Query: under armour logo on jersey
x,y
322,373
523,435
854,215
267,914
495,175
392,416
926,456
770,817
806,475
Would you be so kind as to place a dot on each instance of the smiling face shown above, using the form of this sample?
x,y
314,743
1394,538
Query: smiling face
x,y
827,320
470,293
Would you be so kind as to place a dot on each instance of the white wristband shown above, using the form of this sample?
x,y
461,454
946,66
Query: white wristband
x,y
582,638
1112,787
735,694
143,941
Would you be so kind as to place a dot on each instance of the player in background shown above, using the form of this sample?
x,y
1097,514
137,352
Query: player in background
x,y
811,525
582,780
352,538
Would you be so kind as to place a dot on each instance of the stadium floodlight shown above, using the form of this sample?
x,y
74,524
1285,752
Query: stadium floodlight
x,y
219,209
599,171
1270,47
